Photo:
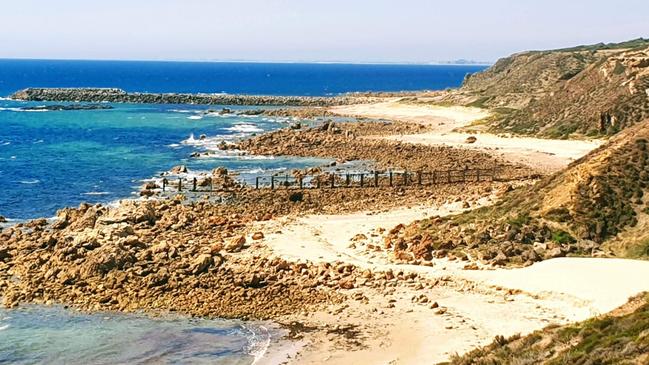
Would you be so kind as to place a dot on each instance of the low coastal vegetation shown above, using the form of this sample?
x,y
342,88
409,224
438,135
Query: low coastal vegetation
x,y
620,337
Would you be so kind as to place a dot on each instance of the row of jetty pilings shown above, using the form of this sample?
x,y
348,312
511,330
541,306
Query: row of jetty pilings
x,y
352,179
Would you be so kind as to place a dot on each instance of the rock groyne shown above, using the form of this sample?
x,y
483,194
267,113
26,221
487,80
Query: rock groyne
x,y
114,95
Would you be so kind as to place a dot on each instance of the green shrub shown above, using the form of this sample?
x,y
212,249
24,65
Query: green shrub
x,y
562,237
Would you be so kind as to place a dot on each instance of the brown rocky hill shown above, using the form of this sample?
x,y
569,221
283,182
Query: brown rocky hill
x,y
589,90
599,205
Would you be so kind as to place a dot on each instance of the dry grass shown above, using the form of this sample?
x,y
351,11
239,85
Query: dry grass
x,y
621,337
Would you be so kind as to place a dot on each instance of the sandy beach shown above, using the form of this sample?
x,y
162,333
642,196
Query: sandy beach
x,y
477,305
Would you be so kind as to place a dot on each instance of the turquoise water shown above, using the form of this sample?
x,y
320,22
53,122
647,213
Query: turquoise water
x,y
53,159
53,335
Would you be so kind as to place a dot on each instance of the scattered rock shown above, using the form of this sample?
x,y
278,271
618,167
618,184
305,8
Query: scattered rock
x,y
180,169
201,263
236,244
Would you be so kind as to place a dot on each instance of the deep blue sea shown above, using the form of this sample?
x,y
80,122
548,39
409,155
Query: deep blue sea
x,y
53,159
234,78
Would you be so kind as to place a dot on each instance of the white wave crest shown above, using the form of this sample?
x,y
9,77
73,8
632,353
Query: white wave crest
x,y
195,117
253,171
258,342
209,143
30,182
97,193
244,128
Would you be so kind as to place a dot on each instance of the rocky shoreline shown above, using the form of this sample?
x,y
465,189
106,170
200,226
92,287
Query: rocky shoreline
x,y
185,256
210,257
114,95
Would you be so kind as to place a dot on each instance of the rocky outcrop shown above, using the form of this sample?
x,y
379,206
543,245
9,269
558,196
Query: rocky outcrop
x,y
120,96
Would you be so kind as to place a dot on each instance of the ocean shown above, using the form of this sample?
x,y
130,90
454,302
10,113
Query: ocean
x,y
227,77
53,159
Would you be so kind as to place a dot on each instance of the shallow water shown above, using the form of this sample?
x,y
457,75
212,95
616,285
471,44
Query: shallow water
x,y
37,334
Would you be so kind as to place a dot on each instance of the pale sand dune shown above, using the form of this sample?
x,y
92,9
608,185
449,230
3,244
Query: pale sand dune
x,y
545,154
604,283
445,118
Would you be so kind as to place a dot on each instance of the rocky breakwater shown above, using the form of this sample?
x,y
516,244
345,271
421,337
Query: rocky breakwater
x,y
120,96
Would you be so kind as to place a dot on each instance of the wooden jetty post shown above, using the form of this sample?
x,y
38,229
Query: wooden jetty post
x,y
376,179
164,184
180,184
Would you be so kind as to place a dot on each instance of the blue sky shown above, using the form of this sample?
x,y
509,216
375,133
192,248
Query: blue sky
x,y
310,30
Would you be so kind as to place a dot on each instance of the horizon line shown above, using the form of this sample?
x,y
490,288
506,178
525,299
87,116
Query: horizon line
x,y
459,62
